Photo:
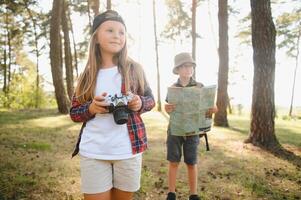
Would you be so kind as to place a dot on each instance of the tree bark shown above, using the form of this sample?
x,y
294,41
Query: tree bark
x,y
295,73
37,103
109,5
95,7
193,30
262,131
9,41
55,57
4,89
67,51
74,43
4,69
220,118
157,57
89,14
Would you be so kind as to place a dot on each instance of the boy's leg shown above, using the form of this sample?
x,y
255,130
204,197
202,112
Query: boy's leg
x,y
190,149
174,154
172,176
192,178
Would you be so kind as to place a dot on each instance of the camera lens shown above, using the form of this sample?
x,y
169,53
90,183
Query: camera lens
x,y
120,115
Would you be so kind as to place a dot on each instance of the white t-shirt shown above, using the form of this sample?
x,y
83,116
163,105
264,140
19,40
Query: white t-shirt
x,y
102,138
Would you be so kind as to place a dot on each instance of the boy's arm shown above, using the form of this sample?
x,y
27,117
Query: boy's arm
x,y
210,111
80,112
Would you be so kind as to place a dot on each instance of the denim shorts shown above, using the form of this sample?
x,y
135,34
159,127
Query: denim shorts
x,y
189,145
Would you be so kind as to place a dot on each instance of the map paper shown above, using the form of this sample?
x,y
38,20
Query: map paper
x,y
192,103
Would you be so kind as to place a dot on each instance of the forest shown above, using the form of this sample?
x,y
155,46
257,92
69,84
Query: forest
x,y
250,50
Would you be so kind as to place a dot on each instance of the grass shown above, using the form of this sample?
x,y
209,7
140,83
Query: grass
x,y
288,131
36,147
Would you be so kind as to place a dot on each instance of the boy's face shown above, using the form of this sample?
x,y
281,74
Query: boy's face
x,y
186,70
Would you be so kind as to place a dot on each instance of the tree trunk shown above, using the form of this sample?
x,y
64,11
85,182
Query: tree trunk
x,y
89,14
55,57
37,103
109,5
5,55
74,43
157,56
193,30
220,118
295,73
229,105
9,38
262,131
95,7
4,69
67,51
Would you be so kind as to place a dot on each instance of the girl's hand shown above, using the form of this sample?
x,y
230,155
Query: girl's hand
x,y
98,105
135,104
169,107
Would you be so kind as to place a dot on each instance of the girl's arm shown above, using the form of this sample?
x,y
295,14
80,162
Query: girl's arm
x,y
80,112
147,98
148,101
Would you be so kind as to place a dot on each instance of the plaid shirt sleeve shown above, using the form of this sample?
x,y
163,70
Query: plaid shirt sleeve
x,y
80,112
136,126
147,100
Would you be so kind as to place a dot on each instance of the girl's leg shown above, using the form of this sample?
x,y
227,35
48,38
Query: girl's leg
x,y
126,177
192,178
172,176
99,196
121,195
96,178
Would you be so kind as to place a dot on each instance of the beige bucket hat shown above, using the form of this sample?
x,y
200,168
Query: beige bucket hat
x,y
180,59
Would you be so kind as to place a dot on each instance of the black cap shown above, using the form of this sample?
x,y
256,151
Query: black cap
x,y
106,16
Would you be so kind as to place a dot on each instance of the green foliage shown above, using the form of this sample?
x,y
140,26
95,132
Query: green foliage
x,y
82,46
17,19
288,29
245,34
286,117
22,88
21,94
179,21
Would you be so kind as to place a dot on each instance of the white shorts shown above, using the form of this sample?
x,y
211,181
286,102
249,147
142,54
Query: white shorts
x,y
99,176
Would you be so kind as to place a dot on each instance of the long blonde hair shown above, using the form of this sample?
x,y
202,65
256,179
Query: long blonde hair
x,y
131,72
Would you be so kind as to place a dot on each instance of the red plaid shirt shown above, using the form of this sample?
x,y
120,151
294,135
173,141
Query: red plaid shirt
x,y
80,113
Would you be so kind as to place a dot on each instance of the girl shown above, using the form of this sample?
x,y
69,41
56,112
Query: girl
x,y
110,154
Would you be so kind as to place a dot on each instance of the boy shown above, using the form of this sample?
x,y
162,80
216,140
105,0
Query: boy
x,y
184,67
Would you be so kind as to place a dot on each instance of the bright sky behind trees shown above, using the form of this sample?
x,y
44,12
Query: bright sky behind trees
x,y
139,21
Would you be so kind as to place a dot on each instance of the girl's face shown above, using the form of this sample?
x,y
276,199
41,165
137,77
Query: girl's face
x,y
111,37
186,70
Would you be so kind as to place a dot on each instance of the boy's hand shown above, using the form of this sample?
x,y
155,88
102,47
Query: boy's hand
x,y
135,104
98,105
210,111
169,107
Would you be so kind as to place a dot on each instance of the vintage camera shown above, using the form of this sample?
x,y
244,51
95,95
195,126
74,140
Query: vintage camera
x,y
119,107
